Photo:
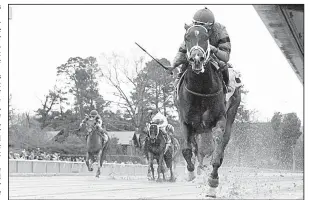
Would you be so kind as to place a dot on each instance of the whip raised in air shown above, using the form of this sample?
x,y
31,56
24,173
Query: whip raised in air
x,y
153,58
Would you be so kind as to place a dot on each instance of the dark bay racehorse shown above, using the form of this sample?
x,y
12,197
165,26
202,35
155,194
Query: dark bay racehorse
x,y
96,149
140,143
155,145
204,117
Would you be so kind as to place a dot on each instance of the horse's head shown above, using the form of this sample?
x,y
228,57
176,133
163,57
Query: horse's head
x,y
153,132
198,48
90,124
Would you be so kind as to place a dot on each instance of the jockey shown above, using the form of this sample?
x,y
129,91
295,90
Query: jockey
x,y
93,115
162,122
220,46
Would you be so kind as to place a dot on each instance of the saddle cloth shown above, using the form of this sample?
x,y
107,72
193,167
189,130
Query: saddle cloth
x,y
233,75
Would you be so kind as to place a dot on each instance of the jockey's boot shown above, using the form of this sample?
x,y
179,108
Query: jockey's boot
x,y
105,138
104,135
182,70
168,142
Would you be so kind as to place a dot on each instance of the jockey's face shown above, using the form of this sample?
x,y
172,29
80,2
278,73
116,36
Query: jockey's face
x,y
198,48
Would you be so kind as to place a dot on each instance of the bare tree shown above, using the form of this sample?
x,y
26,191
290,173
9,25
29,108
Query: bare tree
x,y
50,100
122,76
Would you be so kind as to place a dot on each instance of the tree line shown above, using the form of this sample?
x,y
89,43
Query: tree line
x,y
136,86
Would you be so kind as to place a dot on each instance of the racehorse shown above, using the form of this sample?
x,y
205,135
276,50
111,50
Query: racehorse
x,y
206,118
140,142
155,146
95,147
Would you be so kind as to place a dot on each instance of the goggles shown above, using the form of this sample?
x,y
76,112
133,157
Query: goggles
x,y
207,25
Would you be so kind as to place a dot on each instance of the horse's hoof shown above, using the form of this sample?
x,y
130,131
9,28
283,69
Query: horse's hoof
x,y
90,169
172,179
191,176
211,193
199,171
159,180
213,182
97,175
191,168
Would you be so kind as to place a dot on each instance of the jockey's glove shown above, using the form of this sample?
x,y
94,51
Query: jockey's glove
x,y
213,49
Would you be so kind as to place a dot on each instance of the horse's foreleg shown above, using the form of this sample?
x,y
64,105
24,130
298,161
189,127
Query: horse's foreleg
x,y
99,163
187,149
88,162
217,158
160,167
150,173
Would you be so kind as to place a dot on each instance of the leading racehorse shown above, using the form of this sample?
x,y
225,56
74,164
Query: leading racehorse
x,y
96,146
204,117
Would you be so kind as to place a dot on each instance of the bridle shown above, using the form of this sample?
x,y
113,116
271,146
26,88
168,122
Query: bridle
x,y
157,131
206,54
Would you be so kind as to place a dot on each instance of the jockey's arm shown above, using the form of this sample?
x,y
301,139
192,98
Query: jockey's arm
x,y
83,122
99,122
223,49
181,57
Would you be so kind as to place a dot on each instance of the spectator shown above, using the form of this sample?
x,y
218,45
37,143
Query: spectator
x,y
11,155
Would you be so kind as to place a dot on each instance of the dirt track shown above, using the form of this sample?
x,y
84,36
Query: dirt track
x,y
233,185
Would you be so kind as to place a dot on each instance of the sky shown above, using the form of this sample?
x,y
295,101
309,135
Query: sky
x,y
44,37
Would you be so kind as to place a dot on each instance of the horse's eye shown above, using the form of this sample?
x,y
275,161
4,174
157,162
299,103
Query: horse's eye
x,y
202,59
191,59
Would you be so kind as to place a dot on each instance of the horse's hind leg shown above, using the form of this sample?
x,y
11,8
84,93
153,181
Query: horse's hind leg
x,y
187,150
99,163
205,148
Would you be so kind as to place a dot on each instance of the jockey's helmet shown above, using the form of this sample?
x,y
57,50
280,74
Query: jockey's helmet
x,y
153,110
93,113
204,17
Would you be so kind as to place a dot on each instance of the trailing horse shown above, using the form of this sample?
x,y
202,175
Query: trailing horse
x,y
155,145
96,147
206,118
